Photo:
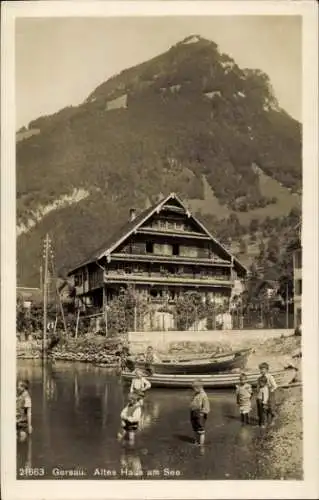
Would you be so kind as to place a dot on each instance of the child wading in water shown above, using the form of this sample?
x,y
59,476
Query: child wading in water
x,y
23,410
139,385
199,409
150,358
262,400
130,418
272,386
243,395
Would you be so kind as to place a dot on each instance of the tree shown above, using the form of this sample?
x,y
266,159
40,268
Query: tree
x,y
261,258
30,320
253,226
189,308
122,311
273,250
242,247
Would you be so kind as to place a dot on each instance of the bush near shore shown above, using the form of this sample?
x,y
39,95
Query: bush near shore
x,y
90,348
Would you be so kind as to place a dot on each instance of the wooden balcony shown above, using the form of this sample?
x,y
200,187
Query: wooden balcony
x,y
170,259
173,232
173,280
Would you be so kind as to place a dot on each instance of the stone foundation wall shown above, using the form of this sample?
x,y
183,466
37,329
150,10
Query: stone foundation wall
x,y
162,341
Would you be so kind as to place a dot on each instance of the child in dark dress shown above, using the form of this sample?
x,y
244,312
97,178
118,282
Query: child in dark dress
x,y
199,409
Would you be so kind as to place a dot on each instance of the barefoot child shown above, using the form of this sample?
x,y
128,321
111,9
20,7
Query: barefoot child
x,y
139,385
130,418
272,386
262,400
243,395
23,410
199,409
150,358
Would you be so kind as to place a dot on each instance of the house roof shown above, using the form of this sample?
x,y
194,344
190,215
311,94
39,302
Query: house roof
x,y
267,283
129,227
294,245
31,294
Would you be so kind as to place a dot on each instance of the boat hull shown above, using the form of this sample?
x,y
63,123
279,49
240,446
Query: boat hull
x,y
213,381
215,364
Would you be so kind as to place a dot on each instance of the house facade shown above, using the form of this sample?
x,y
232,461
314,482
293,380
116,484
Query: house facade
x,y
297,266
29,296
162,252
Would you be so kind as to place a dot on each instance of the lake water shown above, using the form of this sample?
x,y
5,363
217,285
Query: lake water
x,y
76,418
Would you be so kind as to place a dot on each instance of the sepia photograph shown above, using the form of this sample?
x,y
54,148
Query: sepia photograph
x,y
159,186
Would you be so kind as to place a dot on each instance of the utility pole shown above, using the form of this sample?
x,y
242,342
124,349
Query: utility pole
x,y
241,314
77,323
135,318
41,278
135,313
287,307
105,306
45,295
61,310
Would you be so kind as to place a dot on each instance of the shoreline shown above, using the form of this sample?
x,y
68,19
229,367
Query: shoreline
x,y
100,350
283,443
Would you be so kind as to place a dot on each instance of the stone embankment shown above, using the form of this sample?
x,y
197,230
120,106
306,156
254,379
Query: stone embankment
x,y
89,348
237,339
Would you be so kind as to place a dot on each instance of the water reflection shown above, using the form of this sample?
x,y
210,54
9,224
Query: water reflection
x,y
150,414
131,462
49,384
76,418
24,452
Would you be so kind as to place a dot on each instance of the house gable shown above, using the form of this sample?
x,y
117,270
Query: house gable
x,y
169,210
172,217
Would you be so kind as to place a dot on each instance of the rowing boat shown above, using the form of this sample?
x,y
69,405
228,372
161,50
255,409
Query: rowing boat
x,y
213,364
212,381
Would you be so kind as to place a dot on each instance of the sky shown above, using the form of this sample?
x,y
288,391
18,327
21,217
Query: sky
x,y
60,61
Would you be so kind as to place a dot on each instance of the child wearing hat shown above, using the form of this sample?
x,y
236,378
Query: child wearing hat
x,y
130,418
199,409
244,394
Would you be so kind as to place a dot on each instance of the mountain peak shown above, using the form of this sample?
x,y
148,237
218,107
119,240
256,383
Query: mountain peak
x,y
164,125
191,39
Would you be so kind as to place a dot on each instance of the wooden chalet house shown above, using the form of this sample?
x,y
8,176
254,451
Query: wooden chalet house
x,y
163,252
